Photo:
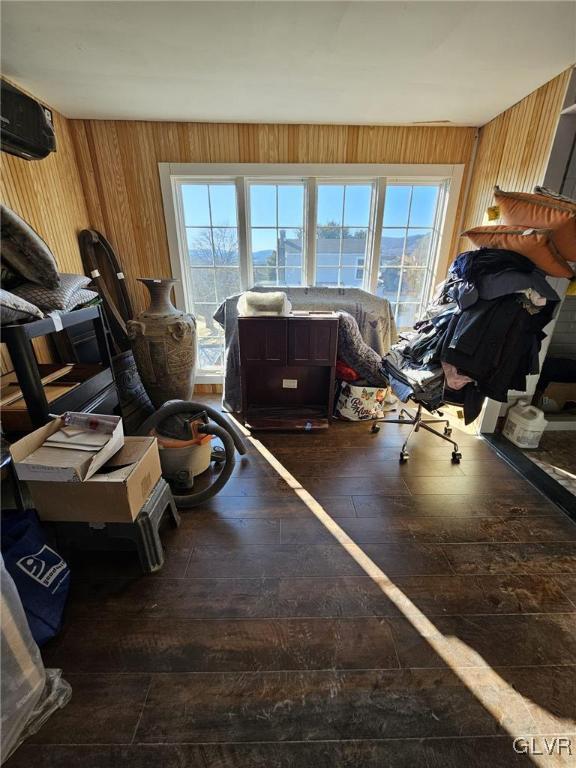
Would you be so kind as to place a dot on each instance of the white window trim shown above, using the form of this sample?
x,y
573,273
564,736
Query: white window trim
x,y
171,174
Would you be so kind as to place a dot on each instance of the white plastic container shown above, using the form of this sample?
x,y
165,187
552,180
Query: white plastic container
x,y
524,425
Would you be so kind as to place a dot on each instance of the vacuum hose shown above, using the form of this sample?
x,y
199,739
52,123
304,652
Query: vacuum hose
x,y
223,429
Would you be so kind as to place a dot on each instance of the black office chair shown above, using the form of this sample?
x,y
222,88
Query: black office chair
x,y
419,422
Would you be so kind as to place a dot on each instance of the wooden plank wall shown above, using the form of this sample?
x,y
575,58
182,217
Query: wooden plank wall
x,y
105,173
514,148
119,167
48,195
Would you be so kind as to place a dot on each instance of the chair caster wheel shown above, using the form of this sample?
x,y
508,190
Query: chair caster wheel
x,y
403,457
375,428
447,431
456,457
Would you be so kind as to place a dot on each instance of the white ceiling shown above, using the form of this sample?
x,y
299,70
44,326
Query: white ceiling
x,y
314,62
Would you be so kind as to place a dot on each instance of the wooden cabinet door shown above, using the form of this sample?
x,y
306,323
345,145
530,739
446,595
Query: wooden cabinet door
x,y
263,340
312,342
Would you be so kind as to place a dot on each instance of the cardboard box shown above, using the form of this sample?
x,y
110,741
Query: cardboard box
x,y
62,465
115,494
557,396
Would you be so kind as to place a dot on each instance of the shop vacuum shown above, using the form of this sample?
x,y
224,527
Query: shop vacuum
x,y
185,431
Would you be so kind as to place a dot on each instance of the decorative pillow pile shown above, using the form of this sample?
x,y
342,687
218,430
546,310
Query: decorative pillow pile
x,y
542,210
50,299
536,244
25,252
13,309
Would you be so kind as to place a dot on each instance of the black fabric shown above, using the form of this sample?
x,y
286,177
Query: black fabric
x,y
496,343
470,397
558,369
498,284
471,265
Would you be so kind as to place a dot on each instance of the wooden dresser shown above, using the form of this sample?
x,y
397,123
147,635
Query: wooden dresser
x,y
287,370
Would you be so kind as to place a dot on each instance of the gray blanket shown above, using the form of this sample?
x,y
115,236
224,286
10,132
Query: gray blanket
x,y
372,313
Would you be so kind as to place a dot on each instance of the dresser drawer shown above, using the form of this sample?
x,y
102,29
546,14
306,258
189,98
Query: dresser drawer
x,y
263,340
312,342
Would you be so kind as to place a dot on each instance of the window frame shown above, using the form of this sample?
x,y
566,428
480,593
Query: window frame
x,y
172,175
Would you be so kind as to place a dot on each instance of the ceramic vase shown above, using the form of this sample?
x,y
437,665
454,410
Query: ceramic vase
x,y
164,345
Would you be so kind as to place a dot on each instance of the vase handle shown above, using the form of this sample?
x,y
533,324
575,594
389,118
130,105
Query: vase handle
x,y
135,328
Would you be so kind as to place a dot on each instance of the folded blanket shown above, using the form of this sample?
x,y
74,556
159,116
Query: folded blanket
x,y
252,304
353,350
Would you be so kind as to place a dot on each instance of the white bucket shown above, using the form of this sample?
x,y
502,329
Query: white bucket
x,y
524,425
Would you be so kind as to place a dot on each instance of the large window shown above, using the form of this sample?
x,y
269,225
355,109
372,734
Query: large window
x,y
344,226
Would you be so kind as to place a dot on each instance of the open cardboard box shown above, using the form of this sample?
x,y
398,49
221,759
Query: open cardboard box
x,y
114,494
62,465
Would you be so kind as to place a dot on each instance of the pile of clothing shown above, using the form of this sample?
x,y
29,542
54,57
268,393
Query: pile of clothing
x,y
480,336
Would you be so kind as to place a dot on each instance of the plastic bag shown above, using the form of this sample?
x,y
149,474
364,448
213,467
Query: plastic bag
x,y
41,576
29,693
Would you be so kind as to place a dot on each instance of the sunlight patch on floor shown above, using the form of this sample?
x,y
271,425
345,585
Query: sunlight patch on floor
x,y
499,698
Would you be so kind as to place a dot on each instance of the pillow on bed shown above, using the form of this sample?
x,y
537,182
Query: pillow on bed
x,y
541,211
13,309
535,244
25,252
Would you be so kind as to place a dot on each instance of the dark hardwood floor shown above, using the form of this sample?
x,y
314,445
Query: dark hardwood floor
x,y
432,626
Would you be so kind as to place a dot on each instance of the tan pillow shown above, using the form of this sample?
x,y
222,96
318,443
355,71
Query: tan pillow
x,y
542,212
535,244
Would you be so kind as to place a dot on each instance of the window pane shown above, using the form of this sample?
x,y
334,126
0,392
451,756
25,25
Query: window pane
x,y
264,247
223,205
327,276
328,239
352,276
330,199
397,205
199,247
227,283
418,247
264,276
210,338
290,205
263,205
354,247
423,207
202,285
290,247
293,276
357,205
407,315
195,205
392,246
412,284
388,280
225,241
